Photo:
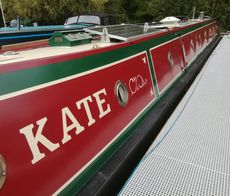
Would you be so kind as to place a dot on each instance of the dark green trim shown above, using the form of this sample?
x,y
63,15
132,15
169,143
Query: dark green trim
x,y
152,74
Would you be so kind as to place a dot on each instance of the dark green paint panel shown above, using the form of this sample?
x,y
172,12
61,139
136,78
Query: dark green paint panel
x,y
152,74
18,80
23,79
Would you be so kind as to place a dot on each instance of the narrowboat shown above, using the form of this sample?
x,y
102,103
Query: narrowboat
x,y
69,110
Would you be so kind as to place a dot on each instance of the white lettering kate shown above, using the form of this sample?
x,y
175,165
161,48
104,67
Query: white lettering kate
x,y
67,116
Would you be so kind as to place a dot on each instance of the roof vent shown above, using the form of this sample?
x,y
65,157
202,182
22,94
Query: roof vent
x,y
171,21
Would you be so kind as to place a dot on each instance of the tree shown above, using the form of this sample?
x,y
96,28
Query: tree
x,y
114,6
98,5
46,11
158,9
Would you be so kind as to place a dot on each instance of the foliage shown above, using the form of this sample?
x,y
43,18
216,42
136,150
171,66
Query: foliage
x,y
46,11
145,10
98,5
56,11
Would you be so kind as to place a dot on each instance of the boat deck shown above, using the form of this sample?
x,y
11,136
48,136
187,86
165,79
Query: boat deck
x,y
191,155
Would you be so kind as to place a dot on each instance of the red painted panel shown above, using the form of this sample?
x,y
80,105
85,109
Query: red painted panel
x,y
46,175
166,72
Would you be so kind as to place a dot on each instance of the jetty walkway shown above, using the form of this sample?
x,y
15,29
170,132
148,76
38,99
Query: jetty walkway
x,y
191,154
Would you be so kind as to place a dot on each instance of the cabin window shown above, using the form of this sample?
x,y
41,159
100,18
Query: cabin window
x,y
205,35
210,32
170,59
200,40
213,30
71,20
121,93
89,19
2,171
192,45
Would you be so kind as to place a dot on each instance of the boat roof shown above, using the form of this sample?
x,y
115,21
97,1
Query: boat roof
x,y
121,33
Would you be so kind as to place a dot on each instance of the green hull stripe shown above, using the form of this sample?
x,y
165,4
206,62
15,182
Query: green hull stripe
x,y
22,79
